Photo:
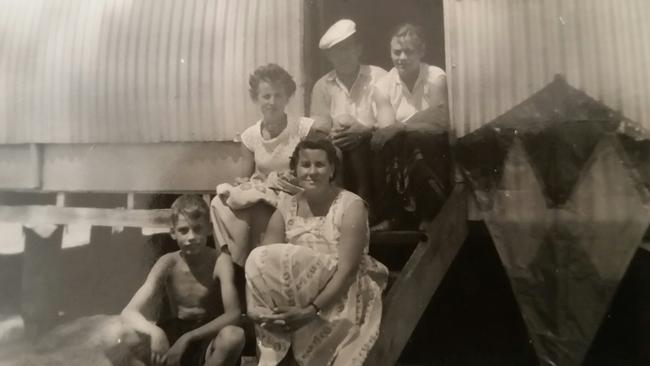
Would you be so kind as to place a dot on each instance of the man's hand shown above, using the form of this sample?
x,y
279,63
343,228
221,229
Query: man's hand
x,y
175,353
349,135
383,135
159,347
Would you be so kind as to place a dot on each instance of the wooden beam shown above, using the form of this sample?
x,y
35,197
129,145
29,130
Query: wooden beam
x,y
161,167
114,217
20,166
410,294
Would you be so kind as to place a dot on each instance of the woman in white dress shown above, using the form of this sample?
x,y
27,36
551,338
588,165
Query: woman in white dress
x,y
312,286
240,211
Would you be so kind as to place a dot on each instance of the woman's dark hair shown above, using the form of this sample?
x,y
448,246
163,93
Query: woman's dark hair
x,y
316,144
270,73
408,32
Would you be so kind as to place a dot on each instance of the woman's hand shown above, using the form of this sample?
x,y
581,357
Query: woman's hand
x,y
159,348
283,181
257,315
268,321
291,318
288,183
175,353
240,180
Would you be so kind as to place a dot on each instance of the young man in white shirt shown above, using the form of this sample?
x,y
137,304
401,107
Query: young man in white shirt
x,y
411,145
344,98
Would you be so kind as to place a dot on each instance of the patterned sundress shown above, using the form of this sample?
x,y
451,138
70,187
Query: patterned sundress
x,y
294,273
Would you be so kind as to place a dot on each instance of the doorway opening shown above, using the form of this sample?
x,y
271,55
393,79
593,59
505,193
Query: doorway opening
x,y
375,20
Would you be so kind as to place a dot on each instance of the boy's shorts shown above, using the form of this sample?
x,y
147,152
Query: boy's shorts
x,y
195,353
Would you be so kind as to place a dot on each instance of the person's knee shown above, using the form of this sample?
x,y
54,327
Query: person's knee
x,y
251,260
217,202
231,338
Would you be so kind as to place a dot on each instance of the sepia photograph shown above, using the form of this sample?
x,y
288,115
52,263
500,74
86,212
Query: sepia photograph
x,y
324,182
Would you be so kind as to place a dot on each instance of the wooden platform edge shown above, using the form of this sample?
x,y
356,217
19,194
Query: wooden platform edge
x,y
408,297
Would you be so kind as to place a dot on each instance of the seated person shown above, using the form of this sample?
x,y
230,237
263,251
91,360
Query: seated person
x,y
411,146
343,98
240,211
198,284
312,286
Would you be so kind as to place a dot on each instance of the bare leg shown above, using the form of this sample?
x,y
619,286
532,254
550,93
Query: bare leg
x,y
240,229
259,216
226,347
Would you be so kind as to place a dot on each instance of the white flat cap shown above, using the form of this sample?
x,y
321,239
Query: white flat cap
x,y
338,32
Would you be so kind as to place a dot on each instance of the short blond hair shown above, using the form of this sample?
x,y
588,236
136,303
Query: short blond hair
x,y
192,206
410,33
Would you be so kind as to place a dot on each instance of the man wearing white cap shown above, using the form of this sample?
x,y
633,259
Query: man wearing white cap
x,y
343,98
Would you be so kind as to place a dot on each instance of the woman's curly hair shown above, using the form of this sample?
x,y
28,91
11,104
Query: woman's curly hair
x,y
271,73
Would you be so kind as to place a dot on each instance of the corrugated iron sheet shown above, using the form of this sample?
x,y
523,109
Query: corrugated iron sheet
x,y
139,71
499,52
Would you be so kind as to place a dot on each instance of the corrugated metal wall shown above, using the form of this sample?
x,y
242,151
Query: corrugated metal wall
x,y
139,71
499,52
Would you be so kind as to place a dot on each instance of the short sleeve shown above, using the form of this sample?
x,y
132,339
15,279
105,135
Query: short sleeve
x,y
381,104
249,137
304,126
376,75
320,99
437,98
437,87
350,198
379,73
346,199
381,85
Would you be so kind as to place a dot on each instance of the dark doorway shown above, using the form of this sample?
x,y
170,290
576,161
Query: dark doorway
x,y
375,20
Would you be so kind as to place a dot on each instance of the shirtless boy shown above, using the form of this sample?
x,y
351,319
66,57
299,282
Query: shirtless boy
x,y
197,282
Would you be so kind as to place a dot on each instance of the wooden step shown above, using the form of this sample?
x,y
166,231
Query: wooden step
x,y
422,274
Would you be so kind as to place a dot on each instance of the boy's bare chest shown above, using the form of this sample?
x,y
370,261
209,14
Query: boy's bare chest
x,y
193,288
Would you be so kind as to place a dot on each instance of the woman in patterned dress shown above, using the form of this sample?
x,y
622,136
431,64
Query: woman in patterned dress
x,y
312,286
